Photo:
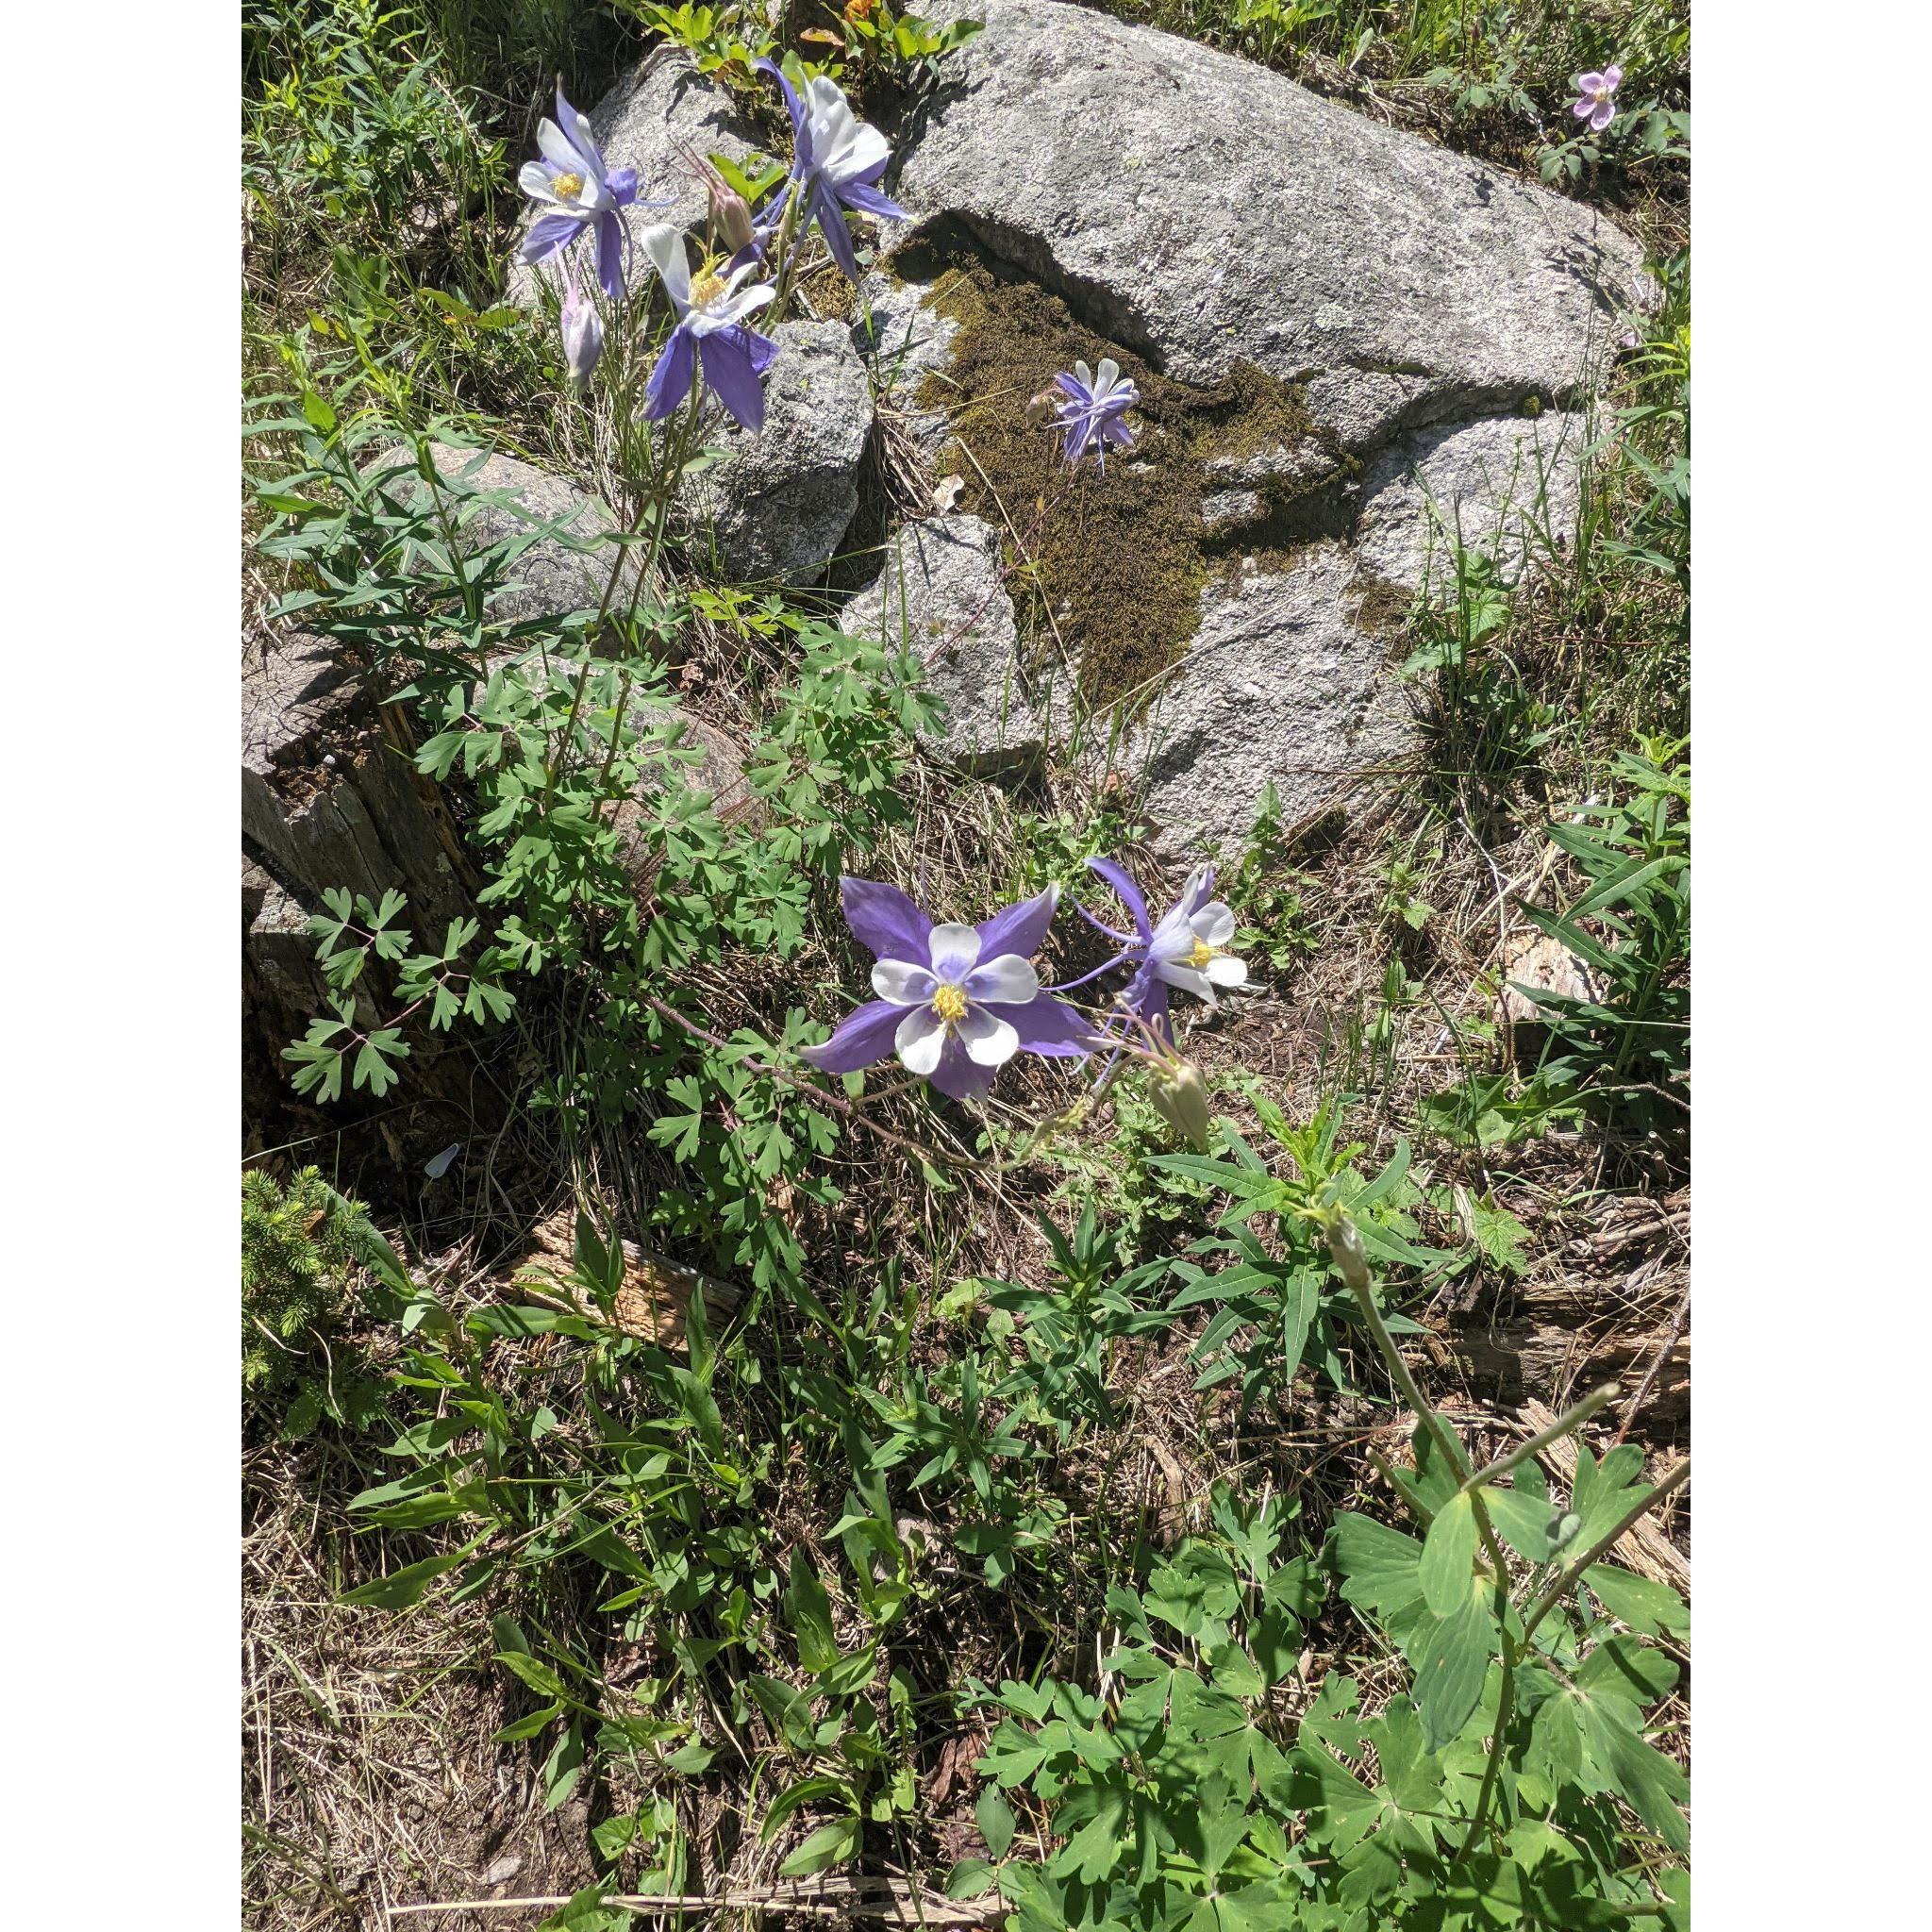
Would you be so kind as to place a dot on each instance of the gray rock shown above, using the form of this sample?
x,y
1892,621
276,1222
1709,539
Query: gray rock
x,y
562,570
1508,485
1206,212
942,594
661,107
1281,684
906,341
718,772
779,502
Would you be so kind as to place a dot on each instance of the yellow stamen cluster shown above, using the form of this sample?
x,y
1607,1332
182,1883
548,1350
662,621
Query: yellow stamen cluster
x,y
567,187
949,1003
706,289
1199,957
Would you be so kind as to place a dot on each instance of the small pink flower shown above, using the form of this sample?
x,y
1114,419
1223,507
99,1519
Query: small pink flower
x,y
1597,104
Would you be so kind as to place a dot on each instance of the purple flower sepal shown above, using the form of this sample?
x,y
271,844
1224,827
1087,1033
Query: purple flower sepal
x,y
1597,102
576,195
1090,416
1187,948
710,336
837,161
956,1002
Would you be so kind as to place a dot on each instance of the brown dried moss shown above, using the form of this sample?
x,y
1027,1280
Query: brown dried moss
x,y
1110,565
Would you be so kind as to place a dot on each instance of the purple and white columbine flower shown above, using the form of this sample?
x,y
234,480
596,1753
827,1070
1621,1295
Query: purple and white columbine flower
x,y
710,334
576,193
1598,103
956,1002
1187,949
837,160
582,328
1092,412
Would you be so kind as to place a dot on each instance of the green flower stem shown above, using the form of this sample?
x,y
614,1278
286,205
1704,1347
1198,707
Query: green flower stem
x,y
1564,1583
1571,1419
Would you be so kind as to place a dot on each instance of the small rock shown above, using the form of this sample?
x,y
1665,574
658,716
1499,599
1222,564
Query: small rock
x,y
1278,684
779,501
1535,959
559,573
1509,484
718,772
940,592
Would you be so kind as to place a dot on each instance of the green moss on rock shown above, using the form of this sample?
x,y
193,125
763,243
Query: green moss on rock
x,y
1109,565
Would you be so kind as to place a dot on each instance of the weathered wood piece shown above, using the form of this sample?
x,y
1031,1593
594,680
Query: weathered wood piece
x,y
651,1304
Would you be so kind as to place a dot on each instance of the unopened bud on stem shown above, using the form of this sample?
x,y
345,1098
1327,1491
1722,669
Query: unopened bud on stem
x,y
730,217
1180,1096
1351,1257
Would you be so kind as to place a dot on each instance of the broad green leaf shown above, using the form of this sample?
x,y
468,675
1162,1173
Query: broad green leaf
x,y
404,1586
1449,1672
1449,1556
1524,1522
1649,1608
830,1844
538,1677
995,1817
809,1611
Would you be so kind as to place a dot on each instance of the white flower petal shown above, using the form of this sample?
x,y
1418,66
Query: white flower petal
x,y
1109,374
863,146
728,309
1214,922
533,177
902,983
555,147
1225,969
1174,938
1186,978
954,952
990,1041
1008,981
585,141
1085,374
919,1040
664,244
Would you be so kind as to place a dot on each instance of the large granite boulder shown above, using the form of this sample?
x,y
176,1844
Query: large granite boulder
x,y
1205,213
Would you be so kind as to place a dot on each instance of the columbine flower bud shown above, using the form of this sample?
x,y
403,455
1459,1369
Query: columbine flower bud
x,y
1180,1096
1040,406
1351,1257
583,334
730,217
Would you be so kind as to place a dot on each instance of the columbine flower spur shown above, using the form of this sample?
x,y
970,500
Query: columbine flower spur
x,y
577,194
1090,416
837,160
710,335
954,1002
